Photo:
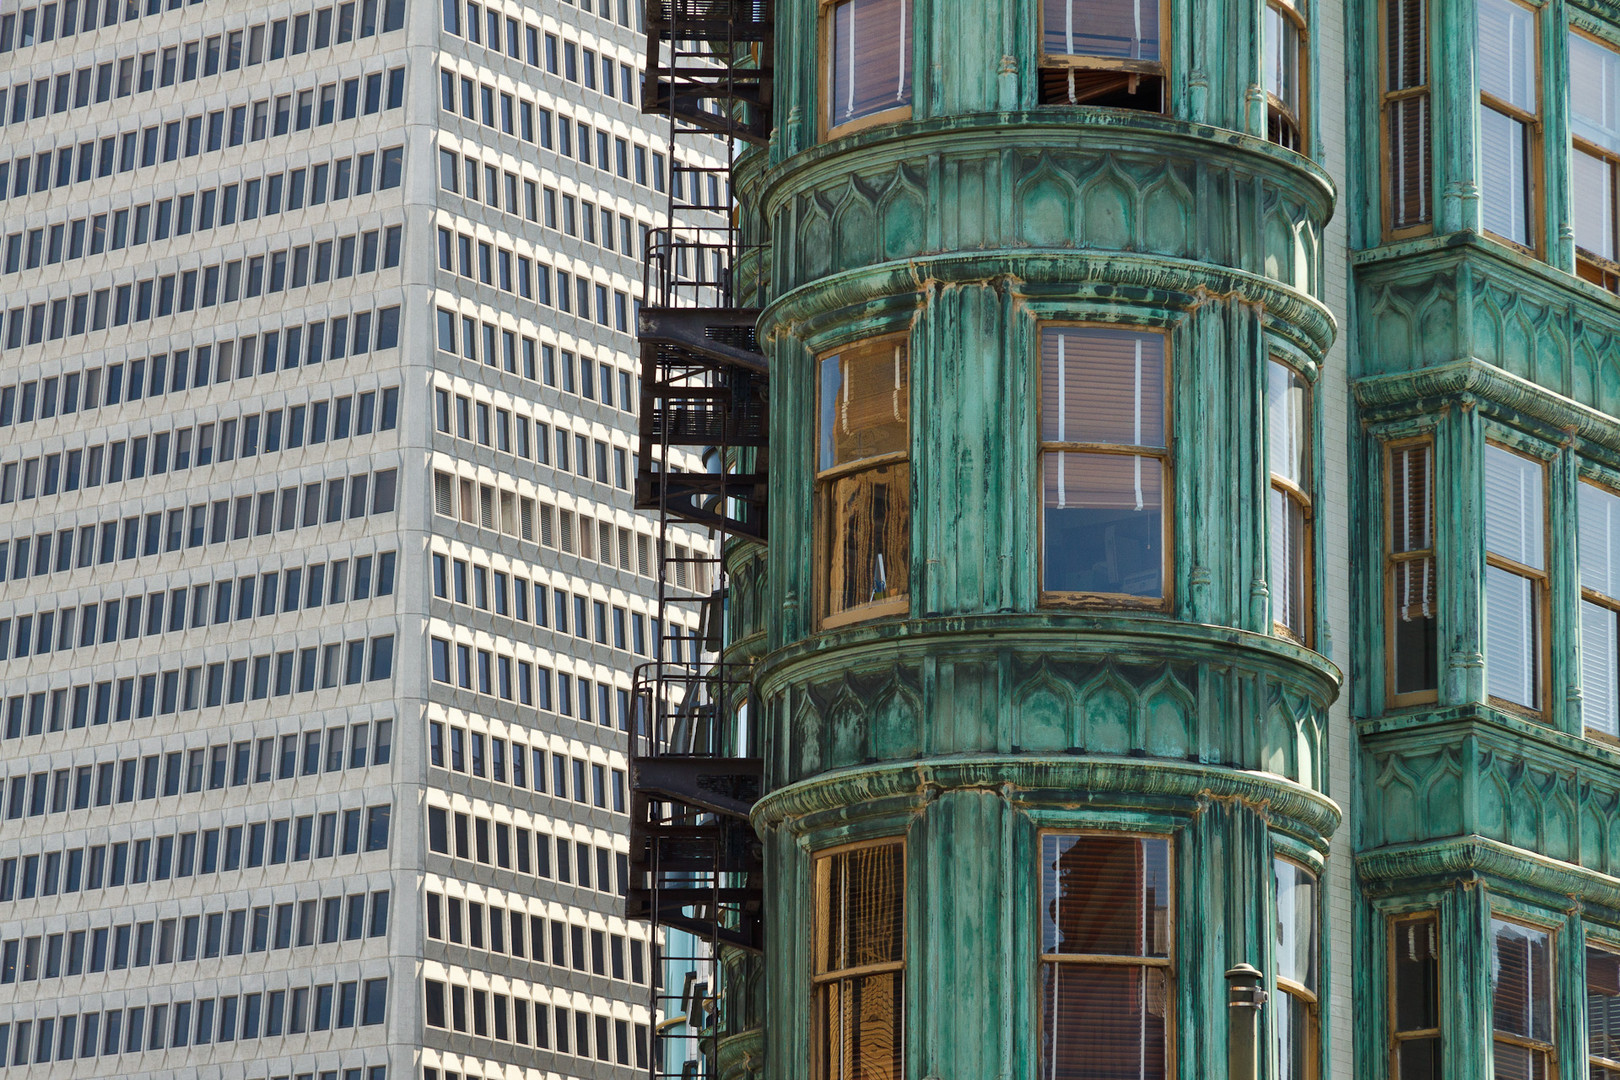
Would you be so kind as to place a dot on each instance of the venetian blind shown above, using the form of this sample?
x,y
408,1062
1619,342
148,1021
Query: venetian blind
x,y
1602,1006
1102,386
1594,93
1505,53
1412,529
865,403
1592,213
1513,507
870,58
1124,29
1287,413
1406,67
1521,992
860,894
1105,895
1599,540
1600,669
1506,64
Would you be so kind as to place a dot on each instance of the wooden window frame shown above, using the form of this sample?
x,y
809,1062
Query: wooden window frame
x,y
1076,62
824,34
1397,1037
1542,580
1550,1049
1595,1061
1604,273
1289,10
819,917
1167,964
1388,101
1392,558
1535,204
1292,492
1165,455
1311,999
824,478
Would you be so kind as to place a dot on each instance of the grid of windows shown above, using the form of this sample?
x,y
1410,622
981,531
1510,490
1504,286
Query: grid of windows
x,y
157,304
568,1028
141,859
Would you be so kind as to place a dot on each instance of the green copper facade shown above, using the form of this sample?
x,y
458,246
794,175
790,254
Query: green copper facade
x,y
989,712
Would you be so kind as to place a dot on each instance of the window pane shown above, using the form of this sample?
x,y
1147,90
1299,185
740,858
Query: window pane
x,y
870,58
869,543
1127,29
861,1027
1102,386
1602,1007
860,895
1506,53
860,922
1406,58
1282,59
1411,499
1417,975
865,403
1599,540
1594,92
1105,896
1518,1063
1409,161
1288,562
1593,207
1511,640
1521,981
1104,524
1296,923
1600,670
1103,1022
1504,193
1296,1037
1287,417
1513,507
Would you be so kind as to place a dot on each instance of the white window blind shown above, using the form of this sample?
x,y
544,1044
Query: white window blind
x,y
1513,507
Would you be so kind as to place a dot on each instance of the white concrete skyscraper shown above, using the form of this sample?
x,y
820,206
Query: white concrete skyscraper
x,y
320,586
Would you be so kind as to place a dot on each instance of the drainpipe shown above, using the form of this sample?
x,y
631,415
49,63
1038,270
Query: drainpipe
x,y
1244,998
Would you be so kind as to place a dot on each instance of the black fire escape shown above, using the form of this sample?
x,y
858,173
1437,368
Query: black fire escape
x,y
696,867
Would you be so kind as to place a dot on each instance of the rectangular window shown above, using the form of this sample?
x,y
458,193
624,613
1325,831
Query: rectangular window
x,y
1521,1000
1509,120
1515,577
1285,73
1594,122
1106,985
1288,425
1407,201
1414,997
1297,952
868,45
1105,462
1602,1013
1410,586
1598,548
1103,52
858,981
864,480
